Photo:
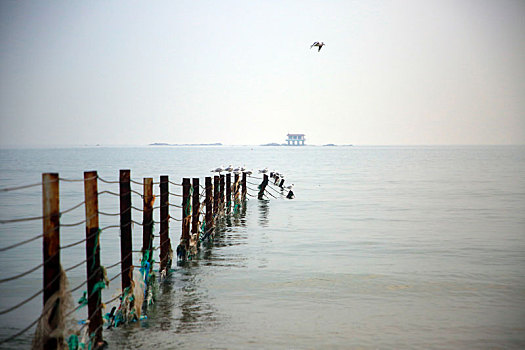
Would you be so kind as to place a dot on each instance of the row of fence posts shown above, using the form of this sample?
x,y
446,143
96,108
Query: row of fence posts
x,y
215,205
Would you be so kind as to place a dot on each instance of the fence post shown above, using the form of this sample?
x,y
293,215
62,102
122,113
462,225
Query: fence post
x,y
221,194
94,273
209,205
244,188
195,216
147,218
262,186
165,244
51,227
236,189
125,228
186,214
228,192
216,187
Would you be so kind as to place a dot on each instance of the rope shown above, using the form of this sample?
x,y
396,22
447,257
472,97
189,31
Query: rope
x,y
176,195
138,223
41,217
21,274
74,224
137,193
173,183
31,297
108,227
108,182
78,242
266,191
21,243
137,209
109,192
75,266
21,219
73,208
76,180
7,189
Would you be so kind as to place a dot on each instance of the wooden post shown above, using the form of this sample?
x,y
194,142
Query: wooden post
x,y
221,194
216,187
209,205
125,229
94,273
228,192
52,269
186,213
165,244
147,219
236,189
244,188
195,215
262,186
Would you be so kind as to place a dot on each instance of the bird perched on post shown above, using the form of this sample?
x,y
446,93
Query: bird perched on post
x,y
318,44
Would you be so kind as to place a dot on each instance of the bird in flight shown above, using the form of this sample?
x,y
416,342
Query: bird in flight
x,y
318,44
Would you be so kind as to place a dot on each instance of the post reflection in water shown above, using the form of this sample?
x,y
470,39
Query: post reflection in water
x,y
183,305
264,210
195,311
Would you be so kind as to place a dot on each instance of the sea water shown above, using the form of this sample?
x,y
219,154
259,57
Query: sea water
x,y
383,247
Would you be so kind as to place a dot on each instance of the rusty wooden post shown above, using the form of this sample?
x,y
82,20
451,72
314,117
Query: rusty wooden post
x,y
244,188
228,192
125,229
221,194
94,273
209,205
165,244
236,189
262,186
216,187
51,247
186,214
147,219
195,215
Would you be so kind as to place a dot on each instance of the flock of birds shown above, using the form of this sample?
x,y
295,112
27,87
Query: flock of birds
x,y
242,169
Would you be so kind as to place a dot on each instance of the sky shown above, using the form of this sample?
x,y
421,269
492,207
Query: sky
x,y
242,72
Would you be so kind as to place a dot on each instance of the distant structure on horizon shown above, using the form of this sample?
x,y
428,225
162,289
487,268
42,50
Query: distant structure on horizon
x,y
295,139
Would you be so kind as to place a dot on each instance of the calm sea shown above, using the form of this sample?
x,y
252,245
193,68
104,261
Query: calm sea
x,y
382,248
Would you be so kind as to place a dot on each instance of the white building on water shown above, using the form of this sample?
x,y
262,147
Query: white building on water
x,y
295,139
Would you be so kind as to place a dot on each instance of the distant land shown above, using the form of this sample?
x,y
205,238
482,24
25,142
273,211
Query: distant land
x,y
287,145
185,144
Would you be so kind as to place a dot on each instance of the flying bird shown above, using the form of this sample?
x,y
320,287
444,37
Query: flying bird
x,y
318,44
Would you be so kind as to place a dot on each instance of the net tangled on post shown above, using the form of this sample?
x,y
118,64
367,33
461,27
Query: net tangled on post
x,y
56,322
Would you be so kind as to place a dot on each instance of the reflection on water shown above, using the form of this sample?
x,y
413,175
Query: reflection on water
x,y
264,210
196,311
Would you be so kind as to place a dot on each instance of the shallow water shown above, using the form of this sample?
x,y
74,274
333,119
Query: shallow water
x,y
383,247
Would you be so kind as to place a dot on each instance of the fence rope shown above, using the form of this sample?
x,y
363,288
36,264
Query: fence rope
x,y
75,266
107,181
21,274
7,189
21,243
76,180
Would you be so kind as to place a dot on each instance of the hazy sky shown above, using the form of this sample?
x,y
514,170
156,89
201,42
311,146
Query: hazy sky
x,y
242,72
